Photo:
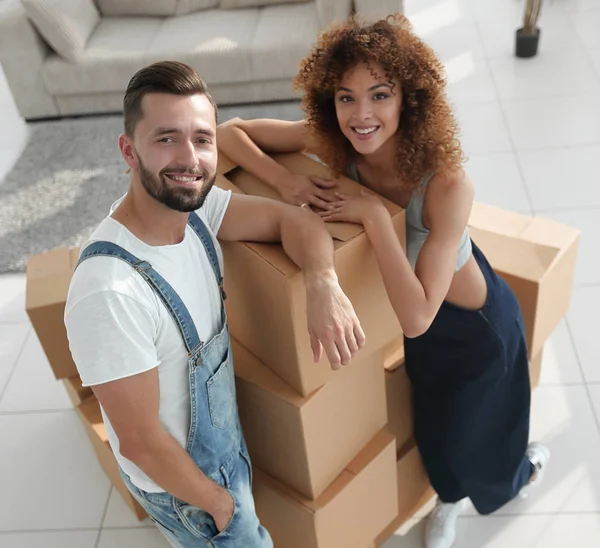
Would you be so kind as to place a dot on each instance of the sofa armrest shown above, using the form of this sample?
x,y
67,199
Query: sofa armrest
x,y
378,9
331,11
22,54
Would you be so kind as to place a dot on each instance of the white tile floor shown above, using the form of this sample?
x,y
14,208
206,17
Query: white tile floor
x,y
531,130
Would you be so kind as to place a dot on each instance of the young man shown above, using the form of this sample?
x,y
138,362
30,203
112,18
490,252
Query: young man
x,y
146,321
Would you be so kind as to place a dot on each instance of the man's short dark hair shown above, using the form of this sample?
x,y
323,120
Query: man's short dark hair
x,y
164,77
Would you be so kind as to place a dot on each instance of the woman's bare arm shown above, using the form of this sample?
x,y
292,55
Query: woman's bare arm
x,y
248,144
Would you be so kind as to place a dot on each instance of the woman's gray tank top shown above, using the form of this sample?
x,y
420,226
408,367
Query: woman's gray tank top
x,y
416,231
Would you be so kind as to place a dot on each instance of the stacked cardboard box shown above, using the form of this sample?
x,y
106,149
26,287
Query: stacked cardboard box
x,y
323,459
325,444
536,257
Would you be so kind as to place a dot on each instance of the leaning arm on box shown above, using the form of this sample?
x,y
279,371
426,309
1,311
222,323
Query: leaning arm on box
x,y
111,339
332,322
415,296
248,144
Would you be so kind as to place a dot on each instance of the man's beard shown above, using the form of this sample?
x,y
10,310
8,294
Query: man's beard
x,y
174,197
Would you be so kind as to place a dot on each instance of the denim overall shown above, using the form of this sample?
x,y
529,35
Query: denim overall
x,y
472,395
215,441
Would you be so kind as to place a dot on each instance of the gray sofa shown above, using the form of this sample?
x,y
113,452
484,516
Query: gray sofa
x,y
71,57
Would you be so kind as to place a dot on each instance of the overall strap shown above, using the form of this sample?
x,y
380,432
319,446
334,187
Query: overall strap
x,y
202,232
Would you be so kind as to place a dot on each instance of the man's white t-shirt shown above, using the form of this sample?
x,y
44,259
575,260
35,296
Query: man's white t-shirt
x,y
118,327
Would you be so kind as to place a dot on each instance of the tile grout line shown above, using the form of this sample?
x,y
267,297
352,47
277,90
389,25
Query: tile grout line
x,y
584,46
42,531
150,526
505,119
99,536
567,208
595,412
14,367
35,412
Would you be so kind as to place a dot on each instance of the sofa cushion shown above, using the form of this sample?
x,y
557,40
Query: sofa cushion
x,y
237,4
65,24
283,38
161,8
215,42
115,51
190,6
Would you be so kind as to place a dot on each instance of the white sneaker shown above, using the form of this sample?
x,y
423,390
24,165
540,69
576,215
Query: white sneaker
x,y
538,455
440,529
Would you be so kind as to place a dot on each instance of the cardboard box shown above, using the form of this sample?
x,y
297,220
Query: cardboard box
x,y
266,302
399,400
350,513
414,491
91,417
535,369
76,392
48,278
307,441
536,257
393,354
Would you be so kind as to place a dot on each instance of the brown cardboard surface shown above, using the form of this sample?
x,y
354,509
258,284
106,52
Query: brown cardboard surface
x,y
414,490
48,278
399,405
266,302
91,417
535,368
350,513
536,257
76,392
307,441
393,354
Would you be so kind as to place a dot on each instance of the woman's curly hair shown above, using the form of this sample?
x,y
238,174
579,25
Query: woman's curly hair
x,y
427,132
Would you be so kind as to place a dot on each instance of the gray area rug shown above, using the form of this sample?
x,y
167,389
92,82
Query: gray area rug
x,y
69,174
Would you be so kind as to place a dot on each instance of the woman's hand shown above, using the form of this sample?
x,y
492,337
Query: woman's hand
x,y
353,209
304,190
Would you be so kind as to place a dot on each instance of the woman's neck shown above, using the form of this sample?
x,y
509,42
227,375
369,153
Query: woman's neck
x,y
382,160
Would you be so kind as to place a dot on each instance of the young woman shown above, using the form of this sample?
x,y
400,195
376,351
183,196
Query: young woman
x,y
374,97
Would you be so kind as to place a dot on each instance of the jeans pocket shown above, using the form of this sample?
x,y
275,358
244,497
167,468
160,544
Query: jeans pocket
x,y
198,522
201,524
221,394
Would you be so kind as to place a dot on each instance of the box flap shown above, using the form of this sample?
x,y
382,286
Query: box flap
x,y
393,355
515,256
537,241
250,369
375,447
550,233
495,219
337,486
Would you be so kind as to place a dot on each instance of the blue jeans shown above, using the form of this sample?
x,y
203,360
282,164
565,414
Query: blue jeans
x,y
472,398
